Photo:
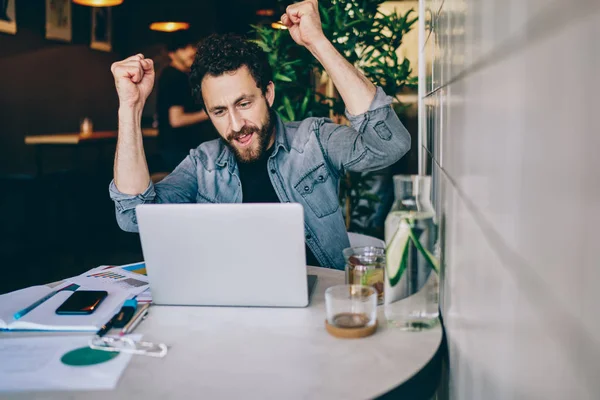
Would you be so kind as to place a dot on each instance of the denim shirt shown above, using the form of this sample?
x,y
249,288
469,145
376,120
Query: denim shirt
x,y
308,161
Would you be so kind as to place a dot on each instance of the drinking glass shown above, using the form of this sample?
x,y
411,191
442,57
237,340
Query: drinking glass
x,y
351,306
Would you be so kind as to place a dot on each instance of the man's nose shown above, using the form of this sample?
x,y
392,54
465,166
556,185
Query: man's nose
x,y
236,121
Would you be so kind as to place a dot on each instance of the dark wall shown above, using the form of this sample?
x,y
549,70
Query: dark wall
x,y
48,86
48,90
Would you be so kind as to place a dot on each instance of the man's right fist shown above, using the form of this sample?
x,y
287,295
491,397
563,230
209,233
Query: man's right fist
x,y
134,78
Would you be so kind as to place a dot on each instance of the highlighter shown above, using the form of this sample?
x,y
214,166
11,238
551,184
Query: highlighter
x,y
124,315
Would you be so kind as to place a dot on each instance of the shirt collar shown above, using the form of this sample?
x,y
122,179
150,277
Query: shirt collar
x,y
224,156
280,135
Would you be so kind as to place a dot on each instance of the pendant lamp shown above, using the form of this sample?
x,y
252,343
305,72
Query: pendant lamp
x,y
98,3
169,26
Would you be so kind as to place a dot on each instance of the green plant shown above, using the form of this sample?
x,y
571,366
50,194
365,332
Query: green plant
x,y
359,202
369,40
294,72
397,251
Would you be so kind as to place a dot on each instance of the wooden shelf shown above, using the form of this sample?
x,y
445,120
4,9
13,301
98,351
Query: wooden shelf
x,y
76,138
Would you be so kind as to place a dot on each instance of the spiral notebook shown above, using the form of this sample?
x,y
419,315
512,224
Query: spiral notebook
x,y
43,317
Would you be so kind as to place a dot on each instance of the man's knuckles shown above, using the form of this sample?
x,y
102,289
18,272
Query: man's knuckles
x,y
131,67
295,11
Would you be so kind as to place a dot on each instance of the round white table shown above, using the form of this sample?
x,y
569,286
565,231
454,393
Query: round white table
x,y
266,353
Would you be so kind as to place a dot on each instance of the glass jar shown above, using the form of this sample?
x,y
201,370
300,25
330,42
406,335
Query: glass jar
x,y
411,275
365,266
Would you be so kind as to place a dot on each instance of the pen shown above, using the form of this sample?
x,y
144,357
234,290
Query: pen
x,y
106,327
142,312
137,321
72,287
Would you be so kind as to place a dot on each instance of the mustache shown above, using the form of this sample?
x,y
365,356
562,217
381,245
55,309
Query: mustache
x,y
246,130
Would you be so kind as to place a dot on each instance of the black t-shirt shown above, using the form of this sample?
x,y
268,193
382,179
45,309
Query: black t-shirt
x,y
257,188
174,90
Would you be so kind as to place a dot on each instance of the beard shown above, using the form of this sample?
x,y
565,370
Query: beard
x,y
261,139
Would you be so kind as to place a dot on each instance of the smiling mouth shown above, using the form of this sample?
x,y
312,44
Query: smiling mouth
x,y
244,140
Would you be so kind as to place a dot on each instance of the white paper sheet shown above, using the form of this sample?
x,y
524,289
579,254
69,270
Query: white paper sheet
x,y
113,279
144,297
33,363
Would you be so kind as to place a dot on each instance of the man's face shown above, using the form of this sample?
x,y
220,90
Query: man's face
x,y
240,112
185,56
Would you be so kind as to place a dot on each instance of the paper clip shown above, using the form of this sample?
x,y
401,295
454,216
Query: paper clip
x,y
128,345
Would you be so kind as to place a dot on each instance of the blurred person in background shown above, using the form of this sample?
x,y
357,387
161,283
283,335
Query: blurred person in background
x,y
182,124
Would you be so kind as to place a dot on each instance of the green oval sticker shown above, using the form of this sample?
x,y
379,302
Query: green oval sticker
x,y
87,356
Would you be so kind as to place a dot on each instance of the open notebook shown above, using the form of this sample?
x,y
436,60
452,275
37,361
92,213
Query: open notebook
x,y
44,317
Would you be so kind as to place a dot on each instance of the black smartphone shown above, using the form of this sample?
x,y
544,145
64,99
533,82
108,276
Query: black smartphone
x,y
82,302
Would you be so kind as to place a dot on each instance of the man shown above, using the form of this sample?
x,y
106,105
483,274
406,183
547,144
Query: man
x,y
259,158
179,118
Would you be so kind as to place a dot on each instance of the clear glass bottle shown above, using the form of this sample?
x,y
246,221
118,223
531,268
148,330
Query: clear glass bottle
x,y
411,275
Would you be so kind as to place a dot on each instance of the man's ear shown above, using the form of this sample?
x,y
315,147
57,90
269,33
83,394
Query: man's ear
x,y
270,94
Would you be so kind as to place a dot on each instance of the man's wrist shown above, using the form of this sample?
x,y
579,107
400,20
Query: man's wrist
x,y
130,114
320,47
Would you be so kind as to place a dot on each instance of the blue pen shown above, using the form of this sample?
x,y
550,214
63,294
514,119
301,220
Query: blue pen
x,y
72,287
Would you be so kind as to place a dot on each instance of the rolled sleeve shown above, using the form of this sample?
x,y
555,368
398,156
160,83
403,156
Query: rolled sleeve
x,y
376,138
125,202
125,205
180,186
379,105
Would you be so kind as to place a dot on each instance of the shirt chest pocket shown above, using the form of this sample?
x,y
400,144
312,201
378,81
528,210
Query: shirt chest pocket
x,y
318,191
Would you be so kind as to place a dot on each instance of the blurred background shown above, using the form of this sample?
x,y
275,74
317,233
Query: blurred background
x,y
56,218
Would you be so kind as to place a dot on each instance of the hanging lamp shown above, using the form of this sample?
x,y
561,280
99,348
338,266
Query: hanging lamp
x,y
169,26
98,3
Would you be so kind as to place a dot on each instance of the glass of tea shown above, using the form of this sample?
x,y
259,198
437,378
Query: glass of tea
x,y
351,306
366,266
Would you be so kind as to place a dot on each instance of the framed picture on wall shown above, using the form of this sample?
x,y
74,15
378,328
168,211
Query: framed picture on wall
x,y
58,20
101,29
8,16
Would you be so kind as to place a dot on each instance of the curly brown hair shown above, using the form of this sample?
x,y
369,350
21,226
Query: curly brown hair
x,y
221,53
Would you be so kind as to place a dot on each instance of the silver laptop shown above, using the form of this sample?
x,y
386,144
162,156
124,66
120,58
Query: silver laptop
x,y
225,254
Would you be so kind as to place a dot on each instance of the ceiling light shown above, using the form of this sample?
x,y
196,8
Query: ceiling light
x,y
267,12
98,3
169,26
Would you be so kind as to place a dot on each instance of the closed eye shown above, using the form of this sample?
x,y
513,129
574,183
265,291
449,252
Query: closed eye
x,y
245,104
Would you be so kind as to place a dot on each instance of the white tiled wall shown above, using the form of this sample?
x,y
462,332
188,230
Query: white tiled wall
x,y
513,140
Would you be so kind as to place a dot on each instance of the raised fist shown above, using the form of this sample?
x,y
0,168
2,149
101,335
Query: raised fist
x,y
134,79
304,23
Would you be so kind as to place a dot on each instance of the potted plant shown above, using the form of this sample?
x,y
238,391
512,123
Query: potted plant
x,y
369,39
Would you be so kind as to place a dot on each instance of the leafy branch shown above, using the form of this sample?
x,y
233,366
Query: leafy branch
x,y
368,39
